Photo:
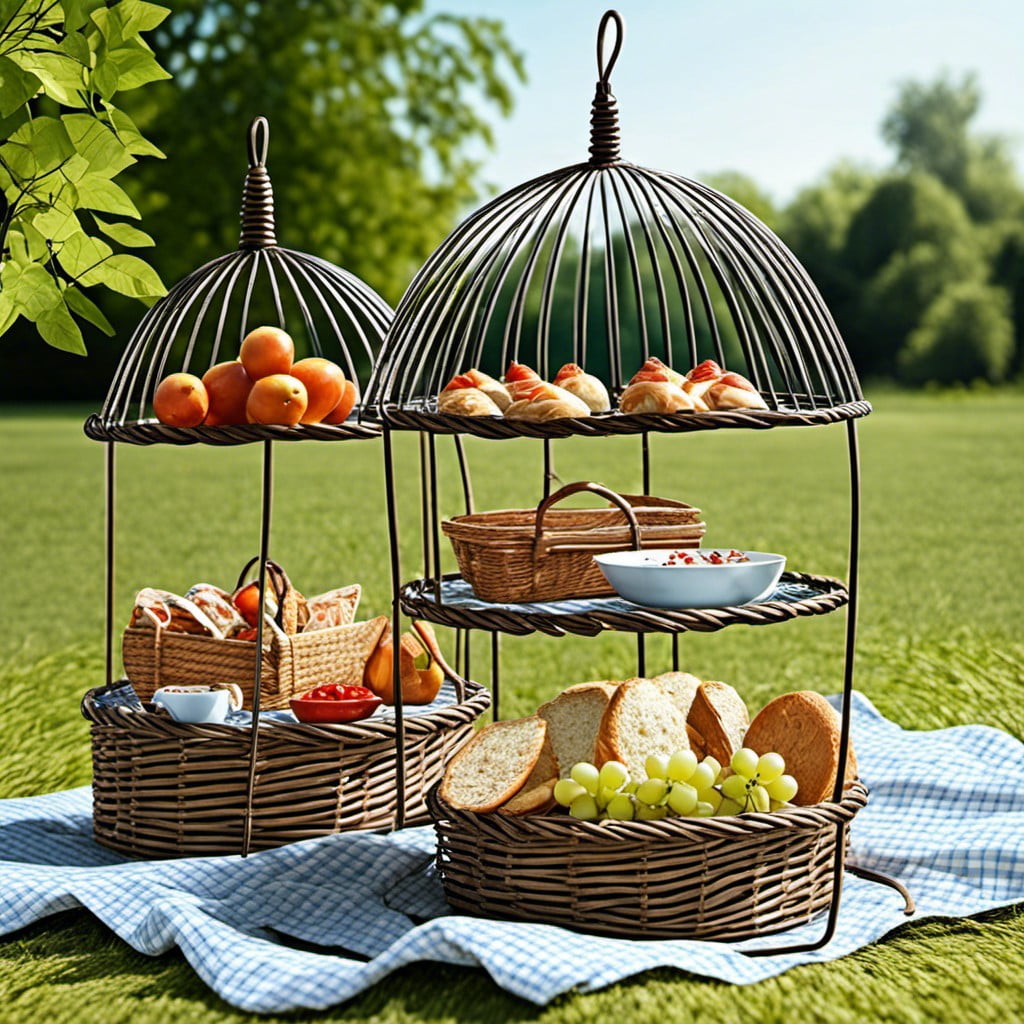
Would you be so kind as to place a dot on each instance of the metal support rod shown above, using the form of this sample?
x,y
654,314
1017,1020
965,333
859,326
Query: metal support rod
x,y
495,674
266,504
466,669
396,625
435,517
646,457
675,652
641,654
467,485
548,467
428,571
108,595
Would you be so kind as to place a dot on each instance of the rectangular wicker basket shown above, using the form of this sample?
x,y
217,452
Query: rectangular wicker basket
x,y
291,663
546,554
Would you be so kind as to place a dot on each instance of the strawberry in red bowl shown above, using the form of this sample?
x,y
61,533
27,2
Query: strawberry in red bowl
x,y
332,704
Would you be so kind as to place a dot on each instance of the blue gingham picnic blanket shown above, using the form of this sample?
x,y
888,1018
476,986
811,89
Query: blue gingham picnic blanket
x,y
946,817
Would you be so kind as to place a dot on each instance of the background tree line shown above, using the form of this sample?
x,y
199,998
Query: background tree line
x,y
375,106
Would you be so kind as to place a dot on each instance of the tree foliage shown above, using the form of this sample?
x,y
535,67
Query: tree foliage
x,y
62,67
378,122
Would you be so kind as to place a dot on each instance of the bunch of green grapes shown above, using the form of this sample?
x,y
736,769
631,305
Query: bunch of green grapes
x,y
679,784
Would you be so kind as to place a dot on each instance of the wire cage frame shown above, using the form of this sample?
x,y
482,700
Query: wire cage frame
x,y
605,263
204,317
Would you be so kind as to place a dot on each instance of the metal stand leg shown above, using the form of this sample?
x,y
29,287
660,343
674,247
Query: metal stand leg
x,y
109,581
265,510
641,654
675,652
396,626
496,674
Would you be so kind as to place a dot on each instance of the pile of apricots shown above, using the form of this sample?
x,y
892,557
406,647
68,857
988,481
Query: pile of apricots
x,y
263,385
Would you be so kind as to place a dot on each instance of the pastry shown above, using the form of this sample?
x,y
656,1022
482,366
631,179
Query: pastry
x,y
493,389
546,402
654,365
462,397
519,379
163,610
585,386
654,393
335,608
732,391
218,606
700,379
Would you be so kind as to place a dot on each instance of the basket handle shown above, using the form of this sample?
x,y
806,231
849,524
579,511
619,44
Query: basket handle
x,y
582,485
277,578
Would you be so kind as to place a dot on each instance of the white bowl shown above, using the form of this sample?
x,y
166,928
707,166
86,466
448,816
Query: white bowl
x,y
640,577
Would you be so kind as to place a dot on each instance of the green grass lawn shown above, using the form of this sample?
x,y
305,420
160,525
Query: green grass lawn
x,y
940,644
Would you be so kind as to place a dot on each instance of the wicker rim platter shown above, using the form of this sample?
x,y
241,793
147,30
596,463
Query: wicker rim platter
x,y
728,878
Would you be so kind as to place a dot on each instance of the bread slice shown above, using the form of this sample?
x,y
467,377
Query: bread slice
x,y
494,765
538,793
641,719
805,729
573,719
720,716
680,686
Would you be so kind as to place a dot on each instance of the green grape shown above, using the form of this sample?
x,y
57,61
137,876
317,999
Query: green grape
x,y
587,776
710,796
729,807
703,777
735,788
645,812
652,791
759,798
682,798
782,789
566,790
620,808
656,766
703,810
778,805
681,765
769,768
744,762
613,775
604,798
584,807
629,787
715,765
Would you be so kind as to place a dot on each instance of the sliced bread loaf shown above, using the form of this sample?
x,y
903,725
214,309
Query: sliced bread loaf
x,y
494,765
720,716
538,793
680,686
641,719
805,729
573,719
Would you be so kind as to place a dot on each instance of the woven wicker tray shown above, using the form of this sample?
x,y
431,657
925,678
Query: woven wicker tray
x,y
163,788
724,878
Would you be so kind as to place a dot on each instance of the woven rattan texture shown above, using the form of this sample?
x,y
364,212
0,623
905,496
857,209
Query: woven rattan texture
x,y
708,878
419,601
163,788
156,657
155,432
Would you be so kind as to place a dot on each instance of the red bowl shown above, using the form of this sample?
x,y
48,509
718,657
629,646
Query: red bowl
x,y
334,711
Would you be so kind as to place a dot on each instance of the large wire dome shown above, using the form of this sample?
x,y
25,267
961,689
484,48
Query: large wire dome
x,y
202,320
604,263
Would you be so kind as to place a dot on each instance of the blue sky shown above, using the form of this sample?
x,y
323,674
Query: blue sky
x,y
778,90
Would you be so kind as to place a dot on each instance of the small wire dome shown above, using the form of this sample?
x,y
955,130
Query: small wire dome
x,y
603,264
202,320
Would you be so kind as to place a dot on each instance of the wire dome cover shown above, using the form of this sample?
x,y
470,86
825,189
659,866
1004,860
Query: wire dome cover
x,y
605,263
202,320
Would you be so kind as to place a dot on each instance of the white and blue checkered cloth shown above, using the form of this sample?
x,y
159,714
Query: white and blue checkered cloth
x,y
946,817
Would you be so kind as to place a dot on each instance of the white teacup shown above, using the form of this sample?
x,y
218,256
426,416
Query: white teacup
x,y
199,704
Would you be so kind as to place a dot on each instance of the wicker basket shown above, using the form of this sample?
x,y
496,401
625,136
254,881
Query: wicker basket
x,y
291,663
705,878
163,788
546,554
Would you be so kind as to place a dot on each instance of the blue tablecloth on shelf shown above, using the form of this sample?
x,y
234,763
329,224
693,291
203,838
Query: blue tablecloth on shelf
x,y
946,817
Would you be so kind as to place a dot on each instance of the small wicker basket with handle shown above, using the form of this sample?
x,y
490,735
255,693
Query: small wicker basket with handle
x,y
547,554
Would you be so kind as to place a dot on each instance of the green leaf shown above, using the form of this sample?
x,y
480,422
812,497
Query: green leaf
x,y
17,246
128,275
60,75
16,86
8,313
97,144
98,193
58,328
125,234
59,223
77,48
131,136
32,290
76,12
80,256
88,310
108,21
135,67
37,147
105,78
38,250
139,16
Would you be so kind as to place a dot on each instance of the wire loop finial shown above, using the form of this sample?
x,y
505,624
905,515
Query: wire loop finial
x,y
604,111
258,194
